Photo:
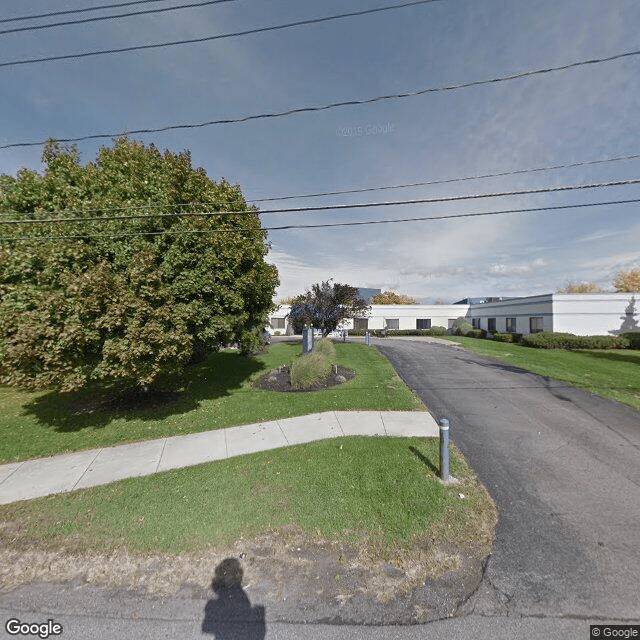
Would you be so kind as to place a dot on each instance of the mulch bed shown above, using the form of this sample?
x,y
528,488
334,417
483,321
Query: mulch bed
x,y
280,380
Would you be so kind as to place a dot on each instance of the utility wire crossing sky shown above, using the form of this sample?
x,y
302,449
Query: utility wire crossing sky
x,y
548,85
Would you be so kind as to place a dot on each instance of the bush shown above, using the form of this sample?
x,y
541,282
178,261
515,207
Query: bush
x,y
309,369
633,338
326,348
434,331
473,333
550,340
507,337
361,332
547,340
462,328
602,342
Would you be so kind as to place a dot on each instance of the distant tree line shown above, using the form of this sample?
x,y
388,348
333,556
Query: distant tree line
x,y
626,281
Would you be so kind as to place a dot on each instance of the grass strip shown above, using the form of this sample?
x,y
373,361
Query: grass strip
x,y
385,489
214,394
613,374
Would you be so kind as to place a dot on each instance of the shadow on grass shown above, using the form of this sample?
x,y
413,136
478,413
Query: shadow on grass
x,y
629,357
99,404
425,460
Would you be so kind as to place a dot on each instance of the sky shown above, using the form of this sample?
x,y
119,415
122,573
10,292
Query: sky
x,y
584,113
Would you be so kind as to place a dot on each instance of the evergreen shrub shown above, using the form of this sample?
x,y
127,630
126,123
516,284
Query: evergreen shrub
x,y
633,338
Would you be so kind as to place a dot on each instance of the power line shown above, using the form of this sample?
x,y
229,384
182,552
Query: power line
x,y
454,215
511,172
83,10
146,216
133,206
113,17
578,163
136,207
359,205
333,105
221,36
317,226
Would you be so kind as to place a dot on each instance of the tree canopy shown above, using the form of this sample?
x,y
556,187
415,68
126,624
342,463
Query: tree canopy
x,y
627,281
391,297
580,287
326,305
112,270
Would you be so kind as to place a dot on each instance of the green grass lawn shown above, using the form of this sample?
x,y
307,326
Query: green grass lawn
x,y
613,374
384,488
214,394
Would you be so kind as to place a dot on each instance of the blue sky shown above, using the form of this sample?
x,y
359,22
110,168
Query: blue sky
x,y
586,113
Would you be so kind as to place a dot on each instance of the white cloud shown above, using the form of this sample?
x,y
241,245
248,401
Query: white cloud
x,y
601,234
509,270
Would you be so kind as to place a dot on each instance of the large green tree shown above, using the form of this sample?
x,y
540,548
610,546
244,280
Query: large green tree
x,y
109,271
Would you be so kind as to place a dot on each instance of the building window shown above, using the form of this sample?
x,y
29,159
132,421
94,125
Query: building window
x,y
423,323
475,323
361,324
392,323
535,325
278,323
511,325
491,325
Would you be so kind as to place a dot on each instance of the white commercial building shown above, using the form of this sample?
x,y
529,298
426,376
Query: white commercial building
x,y
389,316
588,314
581,314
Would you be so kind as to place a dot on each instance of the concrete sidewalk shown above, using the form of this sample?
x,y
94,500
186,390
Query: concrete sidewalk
x,y
57,474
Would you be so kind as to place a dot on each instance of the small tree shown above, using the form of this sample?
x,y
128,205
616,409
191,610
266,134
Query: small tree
x,y
391,297
580,287
326,305
461,326
627,281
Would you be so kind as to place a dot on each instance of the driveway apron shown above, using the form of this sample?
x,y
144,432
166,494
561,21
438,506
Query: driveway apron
x,y
563,468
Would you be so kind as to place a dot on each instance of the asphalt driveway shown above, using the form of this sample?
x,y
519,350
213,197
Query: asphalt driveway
x,y
563,467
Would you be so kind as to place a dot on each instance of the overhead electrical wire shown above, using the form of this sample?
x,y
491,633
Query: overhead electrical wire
x,y
328,207
511,172
82,10
320,225
334,105
65,23
221,36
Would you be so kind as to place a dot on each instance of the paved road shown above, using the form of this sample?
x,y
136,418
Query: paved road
x,y
563,468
